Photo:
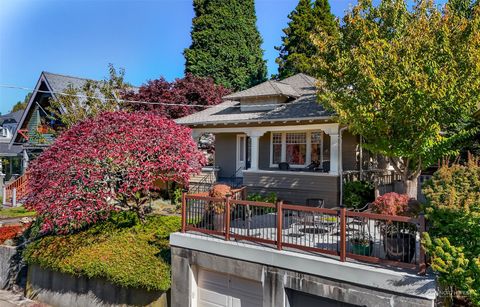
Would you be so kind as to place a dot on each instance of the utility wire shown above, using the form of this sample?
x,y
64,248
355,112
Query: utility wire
x,y
101,98
130,101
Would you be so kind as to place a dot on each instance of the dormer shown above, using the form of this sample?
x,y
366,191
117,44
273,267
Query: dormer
x,y
264,96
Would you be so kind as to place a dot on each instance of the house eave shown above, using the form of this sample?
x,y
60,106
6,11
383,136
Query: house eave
x,y
260,121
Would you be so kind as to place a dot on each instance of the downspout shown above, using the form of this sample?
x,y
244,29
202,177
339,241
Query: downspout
x,y
360,158
340,160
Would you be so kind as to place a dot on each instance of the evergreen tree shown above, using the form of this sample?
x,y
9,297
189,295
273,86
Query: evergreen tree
x,y
226,44
297,47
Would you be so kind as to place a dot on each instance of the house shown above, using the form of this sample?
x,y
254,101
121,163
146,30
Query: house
x,y
35,128
10,156
276,137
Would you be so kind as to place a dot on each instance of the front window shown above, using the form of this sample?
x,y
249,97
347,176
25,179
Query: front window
x,y
277,147
298,148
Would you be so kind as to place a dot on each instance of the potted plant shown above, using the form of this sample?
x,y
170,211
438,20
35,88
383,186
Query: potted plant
x,y
399,238
361,244
216,210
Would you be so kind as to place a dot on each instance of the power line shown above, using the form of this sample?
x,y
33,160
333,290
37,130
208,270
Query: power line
x,y
100,98
132,101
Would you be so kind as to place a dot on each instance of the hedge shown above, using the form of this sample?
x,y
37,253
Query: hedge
x,y
122,250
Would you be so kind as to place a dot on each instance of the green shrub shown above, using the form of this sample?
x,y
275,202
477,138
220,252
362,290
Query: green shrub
x,y
269,198
356,194
122,250
453,213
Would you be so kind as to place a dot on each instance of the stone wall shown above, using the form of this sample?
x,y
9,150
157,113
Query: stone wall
x,y
63,290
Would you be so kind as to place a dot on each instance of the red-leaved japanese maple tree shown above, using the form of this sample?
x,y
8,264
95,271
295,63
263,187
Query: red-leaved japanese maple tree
x,y
108,163
179,98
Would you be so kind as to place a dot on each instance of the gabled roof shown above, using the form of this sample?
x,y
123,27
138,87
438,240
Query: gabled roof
x,y
12,117
302,83
55,84
304,107
59,83
267,88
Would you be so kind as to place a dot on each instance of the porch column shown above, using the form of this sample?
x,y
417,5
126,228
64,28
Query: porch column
x,y
25,161
254,138
334,152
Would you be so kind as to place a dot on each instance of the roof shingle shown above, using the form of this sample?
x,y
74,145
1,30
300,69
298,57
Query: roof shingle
x,y
304,107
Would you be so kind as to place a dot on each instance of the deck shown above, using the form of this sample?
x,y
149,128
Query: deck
x,y
340,234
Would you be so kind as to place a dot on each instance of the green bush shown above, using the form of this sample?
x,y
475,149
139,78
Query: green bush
x,y
122,250
453,213
356,194
269,198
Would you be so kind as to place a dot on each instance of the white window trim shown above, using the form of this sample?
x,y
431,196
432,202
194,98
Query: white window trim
x,y
308,158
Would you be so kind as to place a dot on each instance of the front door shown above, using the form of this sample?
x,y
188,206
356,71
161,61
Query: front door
x,y
241,155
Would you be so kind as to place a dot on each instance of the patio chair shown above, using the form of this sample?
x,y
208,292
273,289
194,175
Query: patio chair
x,y
283,166
326,166
316,202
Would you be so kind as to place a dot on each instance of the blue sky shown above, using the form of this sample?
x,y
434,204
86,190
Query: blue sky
x,y
80,38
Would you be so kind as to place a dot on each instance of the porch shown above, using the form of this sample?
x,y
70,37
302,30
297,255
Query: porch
x,y
297,162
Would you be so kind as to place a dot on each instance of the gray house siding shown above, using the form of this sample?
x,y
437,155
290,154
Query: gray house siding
x,y
225,153
349,151
264,152
295,188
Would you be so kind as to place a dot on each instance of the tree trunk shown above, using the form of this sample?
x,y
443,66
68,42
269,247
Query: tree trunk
x,y
410,187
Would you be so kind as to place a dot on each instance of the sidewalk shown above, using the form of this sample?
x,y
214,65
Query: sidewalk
x,y
10,299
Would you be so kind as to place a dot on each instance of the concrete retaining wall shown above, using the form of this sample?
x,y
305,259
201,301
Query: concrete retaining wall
x,y
6,254
63,290
317,276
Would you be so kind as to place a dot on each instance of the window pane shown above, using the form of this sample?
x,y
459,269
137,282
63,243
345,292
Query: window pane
x,y
316,153
296,147
296,153
277,138
277,153
296,138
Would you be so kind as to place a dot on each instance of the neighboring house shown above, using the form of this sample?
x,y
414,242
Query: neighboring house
x,y
276,137
10,156
37,126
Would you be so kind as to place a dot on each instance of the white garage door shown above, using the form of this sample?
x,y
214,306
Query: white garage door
x,y
223,290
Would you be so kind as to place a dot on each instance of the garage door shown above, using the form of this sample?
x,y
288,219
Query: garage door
x,y
224,290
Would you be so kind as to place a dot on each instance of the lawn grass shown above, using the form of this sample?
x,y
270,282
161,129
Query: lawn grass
x,y
15,212
125,252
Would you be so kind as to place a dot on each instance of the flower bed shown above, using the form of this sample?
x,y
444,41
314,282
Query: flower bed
x,y
9,232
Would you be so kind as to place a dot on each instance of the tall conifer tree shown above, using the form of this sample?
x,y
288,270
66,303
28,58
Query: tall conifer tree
x,y
297,48
226,44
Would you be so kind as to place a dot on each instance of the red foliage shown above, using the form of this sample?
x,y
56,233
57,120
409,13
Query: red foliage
x,y
190,90
391,204
106,162
9,232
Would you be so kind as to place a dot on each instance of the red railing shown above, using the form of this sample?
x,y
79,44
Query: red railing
x,y
368,237
17,187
